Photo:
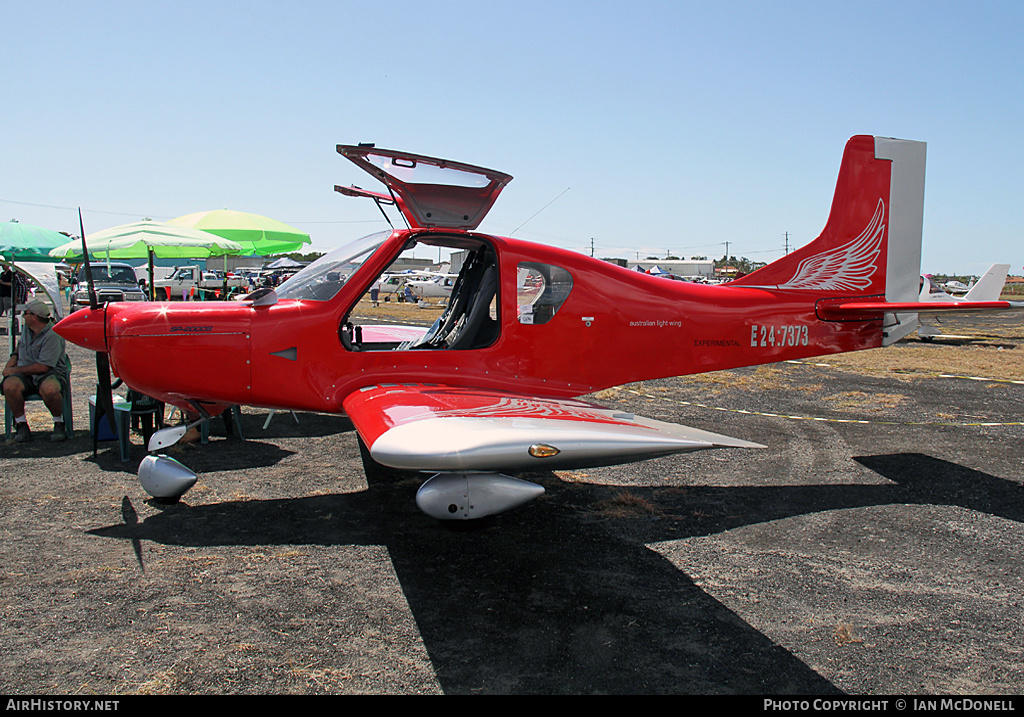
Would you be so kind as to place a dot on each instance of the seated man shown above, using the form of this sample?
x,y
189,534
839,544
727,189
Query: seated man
x,y
38,366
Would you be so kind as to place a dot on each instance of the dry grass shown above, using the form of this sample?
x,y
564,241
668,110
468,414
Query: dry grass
x,y
860,399
769,376
917,360
402,312
626,505
844,635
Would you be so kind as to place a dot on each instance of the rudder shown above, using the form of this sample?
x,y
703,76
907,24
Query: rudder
x,y
871,243
990,286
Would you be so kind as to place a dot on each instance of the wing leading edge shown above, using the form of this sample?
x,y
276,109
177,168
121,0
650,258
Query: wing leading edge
x,y
442,428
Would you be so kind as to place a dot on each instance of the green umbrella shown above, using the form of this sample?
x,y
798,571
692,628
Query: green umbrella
x,y
258,235
148,239
24,242
141,239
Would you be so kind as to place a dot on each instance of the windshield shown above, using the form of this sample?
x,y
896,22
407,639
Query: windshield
x,y
322,279
115,274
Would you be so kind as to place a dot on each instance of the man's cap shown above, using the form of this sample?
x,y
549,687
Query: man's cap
x,y
39,308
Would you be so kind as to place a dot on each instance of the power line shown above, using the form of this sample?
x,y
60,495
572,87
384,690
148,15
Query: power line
x,y
70,209
153,216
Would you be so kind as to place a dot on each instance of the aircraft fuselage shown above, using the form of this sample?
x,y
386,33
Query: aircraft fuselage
x,y
614,327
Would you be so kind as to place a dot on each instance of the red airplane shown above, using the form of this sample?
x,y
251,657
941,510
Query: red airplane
x,y
490,387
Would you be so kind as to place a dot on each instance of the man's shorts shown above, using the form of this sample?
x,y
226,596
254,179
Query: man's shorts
x,y
32,383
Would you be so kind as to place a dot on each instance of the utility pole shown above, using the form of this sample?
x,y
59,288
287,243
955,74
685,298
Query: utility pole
x,y
591,246
787,242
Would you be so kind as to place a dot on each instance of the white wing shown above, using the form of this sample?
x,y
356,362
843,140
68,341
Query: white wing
x,y
442,428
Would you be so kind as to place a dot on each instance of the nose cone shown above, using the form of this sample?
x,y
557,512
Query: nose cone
x,y
85,328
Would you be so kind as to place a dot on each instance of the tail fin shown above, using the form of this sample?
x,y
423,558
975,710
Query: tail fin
x,y
990,286
871,244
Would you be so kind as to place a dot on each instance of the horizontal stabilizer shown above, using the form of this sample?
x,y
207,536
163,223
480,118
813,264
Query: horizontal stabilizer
x,y
867,310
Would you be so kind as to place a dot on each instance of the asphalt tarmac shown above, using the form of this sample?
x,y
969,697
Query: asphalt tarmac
x,y
873,547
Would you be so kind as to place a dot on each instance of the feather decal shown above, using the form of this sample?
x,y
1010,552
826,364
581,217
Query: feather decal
x,y
849,267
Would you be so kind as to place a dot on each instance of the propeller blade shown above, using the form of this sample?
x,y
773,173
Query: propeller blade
x,y
88,267
104,393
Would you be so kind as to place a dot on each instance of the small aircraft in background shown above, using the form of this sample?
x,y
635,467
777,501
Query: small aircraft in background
x,y
392,285
436,287
957,287
987,289
491,387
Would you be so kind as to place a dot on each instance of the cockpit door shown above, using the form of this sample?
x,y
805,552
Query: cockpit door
x,y
431,193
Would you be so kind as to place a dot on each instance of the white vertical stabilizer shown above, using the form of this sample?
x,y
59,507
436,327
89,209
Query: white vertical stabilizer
x,y
990,286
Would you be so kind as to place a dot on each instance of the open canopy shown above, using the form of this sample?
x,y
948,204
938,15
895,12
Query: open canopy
x,y
431,192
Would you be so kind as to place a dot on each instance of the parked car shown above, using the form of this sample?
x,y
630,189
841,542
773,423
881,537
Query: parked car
x,y
188,280
115,281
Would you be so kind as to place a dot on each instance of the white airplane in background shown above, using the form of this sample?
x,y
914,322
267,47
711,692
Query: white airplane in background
x,y
436,287
393,284
988,288
957,287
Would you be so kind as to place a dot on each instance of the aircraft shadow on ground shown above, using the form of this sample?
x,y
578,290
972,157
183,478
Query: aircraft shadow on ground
x,y
231,455
558,598
924,479
296,424
225,451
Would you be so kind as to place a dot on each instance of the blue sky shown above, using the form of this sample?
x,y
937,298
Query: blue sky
x,y
654,126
